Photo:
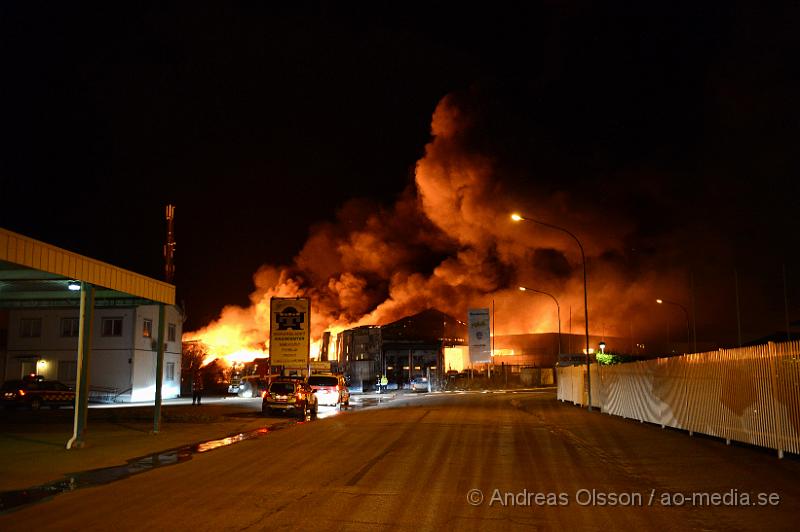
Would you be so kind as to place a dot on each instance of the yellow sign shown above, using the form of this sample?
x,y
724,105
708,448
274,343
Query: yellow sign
x,y
289,331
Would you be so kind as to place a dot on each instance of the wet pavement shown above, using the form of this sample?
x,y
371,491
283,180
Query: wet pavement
x,y
15,499
447,461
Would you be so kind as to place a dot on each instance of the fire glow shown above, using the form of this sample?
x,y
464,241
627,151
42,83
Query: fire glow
x,y
373,265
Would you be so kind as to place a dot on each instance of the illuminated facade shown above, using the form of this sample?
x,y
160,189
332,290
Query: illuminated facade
x,y
403,350
44,340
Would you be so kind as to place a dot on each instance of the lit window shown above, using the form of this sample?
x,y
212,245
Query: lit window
x,y
30,327
147,329
111,326
70,327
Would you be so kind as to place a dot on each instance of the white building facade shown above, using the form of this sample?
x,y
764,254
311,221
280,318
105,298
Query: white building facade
x,y
122,367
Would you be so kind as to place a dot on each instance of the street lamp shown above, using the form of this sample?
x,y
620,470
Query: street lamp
x,y
519,218
688,335
558,310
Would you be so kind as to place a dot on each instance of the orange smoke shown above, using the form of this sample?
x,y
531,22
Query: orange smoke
x,y
447,243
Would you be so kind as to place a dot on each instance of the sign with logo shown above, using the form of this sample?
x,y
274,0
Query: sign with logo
x,y
289,331
480,341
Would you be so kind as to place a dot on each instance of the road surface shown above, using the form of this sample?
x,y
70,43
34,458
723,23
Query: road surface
x,y
418,463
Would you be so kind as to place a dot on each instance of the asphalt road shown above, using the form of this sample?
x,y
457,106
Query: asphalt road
x,y
414,465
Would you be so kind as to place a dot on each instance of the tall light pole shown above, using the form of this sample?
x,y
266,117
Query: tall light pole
x,y
518,218
688,336
558,310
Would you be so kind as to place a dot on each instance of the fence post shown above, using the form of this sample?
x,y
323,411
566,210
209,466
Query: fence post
x,y
776,414
687,412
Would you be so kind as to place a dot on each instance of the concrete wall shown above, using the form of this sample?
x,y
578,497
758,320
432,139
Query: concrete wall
x,y
144,358
125,363
144,376
110,361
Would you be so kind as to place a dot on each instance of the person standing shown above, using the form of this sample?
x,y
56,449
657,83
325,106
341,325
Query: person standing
x,y
197,387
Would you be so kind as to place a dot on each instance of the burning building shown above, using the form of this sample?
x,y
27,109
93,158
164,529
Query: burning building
x,y
405,349
447,243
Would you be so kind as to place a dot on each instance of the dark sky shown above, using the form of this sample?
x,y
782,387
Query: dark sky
x,y
260,119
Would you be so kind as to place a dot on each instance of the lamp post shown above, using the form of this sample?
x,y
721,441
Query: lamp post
x,y
558,310
518,218
688,335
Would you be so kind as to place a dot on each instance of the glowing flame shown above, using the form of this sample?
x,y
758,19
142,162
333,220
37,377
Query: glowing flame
x,y
237,357
448,243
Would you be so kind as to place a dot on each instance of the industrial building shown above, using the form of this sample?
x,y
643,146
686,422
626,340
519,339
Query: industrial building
x,y
42,339
432,341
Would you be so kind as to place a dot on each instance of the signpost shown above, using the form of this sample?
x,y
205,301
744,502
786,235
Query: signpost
x,y
480,348
290,332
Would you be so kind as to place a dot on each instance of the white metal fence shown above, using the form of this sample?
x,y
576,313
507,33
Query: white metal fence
x,y
748,394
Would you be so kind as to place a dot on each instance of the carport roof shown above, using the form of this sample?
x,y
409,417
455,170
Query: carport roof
x,y
32,271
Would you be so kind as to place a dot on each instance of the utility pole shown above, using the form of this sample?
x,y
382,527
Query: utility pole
x,y
786,306
569,348
169,276
493,334
694,313
738,312
169,247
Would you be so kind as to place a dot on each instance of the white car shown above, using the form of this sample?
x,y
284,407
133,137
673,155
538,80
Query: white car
x,y
419,384
330,389
252,386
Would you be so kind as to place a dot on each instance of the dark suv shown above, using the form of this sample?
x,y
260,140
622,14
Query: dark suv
x,y
36,393
289,395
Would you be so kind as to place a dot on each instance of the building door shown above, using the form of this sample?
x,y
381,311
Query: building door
x,y
28,368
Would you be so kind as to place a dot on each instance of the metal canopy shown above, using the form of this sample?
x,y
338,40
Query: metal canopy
x,y
33,273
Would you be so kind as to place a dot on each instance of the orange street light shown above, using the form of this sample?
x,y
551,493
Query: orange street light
x,y
558,310
518,218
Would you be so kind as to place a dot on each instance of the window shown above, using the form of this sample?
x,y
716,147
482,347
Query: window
x,y
67,370
70,327
170,371
147,329
112,326
322,380
281,388
171,332
30,327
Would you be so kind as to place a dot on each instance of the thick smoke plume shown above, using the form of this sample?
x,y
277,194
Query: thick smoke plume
x,y
449,243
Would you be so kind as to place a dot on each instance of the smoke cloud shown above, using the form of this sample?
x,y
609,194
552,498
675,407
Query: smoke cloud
x,y
449,243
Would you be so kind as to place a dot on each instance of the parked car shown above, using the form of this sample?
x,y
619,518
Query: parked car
x,y
252,386
292,396
235,384
330,389
36,393
420,384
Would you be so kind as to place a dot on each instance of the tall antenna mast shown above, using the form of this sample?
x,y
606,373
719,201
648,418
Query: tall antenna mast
x,y
169,247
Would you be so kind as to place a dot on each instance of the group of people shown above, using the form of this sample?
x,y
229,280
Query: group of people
x,y
382,383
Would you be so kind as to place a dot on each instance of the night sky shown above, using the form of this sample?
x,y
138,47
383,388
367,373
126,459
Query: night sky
x,y
260,120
